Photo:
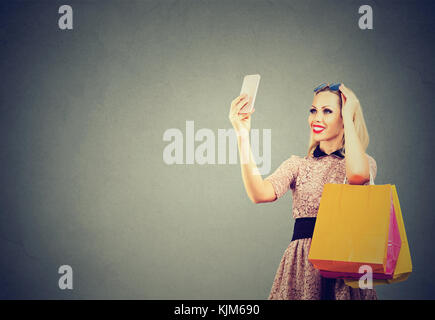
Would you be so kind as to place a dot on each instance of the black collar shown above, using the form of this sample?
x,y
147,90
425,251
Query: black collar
x,y
319,153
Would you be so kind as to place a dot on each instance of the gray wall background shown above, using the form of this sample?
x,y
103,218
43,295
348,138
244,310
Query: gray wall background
x,y
83,114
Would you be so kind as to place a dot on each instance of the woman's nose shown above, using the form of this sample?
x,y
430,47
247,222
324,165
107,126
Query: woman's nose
x,y
319,117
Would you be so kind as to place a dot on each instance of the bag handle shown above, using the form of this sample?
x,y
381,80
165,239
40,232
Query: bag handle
x,y
371,179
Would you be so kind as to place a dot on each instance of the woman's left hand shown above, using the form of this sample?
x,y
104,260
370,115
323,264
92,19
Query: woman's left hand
x,y
350,102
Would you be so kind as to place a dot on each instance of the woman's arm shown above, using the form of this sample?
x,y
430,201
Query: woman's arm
x,y
357,162
258,190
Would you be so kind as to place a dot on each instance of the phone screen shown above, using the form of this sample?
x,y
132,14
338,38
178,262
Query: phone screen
x,y
250,86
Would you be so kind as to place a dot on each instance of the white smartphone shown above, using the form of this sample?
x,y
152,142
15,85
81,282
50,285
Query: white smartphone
x,y
250,86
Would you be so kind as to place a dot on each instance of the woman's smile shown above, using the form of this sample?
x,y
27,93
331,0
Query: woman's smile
x,y
318,129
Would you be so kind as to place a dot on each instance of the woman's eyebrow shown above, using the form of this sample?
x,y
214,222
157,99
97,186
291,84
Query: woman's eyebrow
x,y
322,107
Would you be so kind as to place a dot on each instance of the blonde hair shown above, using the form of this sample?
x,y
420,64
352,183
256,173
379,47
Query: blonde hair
x,y
358,121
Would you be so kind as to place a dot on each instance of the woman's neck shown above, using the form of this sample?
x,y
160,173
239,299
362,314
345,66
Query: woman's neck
x,y
329,147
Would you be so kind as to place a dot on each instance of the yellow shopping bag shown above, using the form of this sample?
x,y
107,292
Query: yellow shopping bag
x,y
404,263
352,228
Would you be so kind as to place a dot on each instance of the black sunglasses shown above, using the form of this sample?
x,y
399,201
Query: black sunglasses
x,y
332,87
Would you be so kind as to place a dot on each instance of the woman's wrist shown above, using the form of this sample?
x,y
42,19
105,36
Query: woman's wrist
x,y
242,135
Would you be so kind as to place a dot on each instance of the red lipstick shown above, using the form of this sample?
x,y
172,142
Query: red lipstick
x,y
317,128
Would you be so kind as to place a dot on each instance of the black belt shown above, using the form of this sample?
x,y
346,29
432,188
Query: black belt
x,y
304,228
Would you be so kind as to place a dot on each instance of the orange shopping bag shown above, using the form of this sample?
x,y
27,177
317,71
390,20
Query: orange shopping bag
x,y
352,228
404,264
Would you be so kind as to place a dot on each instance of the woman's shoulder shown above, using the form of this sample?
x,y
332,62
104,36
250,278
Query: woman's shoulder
x,y
370,157
296,159
304,158
372,162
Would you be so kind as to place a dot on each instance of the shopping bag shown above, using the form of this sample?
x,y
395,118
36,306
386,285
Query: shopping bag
x,y
394,244
404,263
353,229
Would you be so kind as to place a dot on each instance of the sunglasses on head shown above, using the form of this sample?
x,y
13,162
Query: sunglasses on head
x,y
331,86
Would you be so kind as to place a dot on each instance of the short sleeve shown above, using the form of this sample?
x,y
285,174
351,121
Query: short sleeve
x,y
284,176
372,168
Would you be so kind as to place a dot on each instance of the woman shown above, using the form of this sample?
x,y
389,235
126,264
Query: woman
x,y
336,151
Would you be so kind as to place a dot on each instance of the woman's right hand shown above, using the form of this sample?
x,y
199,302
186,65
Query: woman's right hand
x,y
240,121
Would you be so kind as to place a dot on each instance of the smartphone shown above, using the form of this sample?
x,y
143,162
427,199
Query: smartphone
x,y
250,87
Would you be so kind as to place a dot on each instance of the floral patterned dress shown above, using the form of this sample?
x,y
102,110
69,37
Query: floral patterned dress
x,y
296,278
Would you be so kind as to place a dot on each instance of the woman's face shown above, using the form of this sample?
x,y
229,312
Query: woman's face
x,y
325,112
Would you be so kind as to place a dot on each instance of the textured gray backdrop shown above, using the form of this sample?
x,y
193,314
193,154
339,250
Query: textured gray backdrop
x,y
83,114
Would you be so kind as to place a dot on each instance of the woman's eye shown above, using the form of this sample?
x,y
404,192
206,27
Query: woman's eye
x,y
325,110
